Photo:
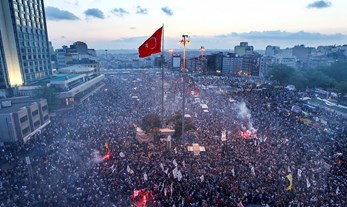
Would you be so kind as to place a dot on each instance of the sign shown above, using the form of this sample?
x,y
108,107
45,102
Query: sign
x,y
196,148
224,136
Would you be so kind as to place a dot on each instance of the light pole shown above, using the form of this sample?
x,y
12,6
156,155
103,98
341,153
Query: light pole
x,y
184,41
202,50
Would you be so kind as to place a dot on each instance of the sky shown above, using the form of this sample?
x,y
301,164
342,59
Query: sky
x,y
217,24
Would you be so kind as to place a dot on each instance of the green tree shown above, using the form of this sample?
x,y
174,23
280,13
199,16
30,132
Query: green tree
x,y
176,120
49,94
281,73
342,88
151,122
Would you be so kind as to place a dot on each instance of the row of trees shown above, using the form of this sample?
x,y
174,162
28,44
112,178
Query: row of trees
x,y
333,77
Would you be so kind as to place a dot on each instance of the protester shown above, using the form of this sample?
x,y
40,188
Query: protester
x,y
69,166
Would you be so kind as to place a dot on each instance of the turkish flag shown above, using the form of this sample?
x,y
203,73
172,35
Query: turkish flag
x,y
152,45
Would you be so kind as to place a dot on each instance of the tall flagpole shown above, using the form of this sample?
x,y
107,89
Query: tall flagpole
x,y
162,76
184,41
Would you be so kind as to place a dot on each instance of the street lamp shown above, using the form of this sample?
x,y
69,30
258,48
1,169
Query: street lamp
x,y
184,41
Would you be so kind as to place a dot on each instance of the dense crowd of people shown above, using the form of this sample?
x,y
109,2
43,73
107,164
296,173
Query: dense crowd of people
x,y
281,162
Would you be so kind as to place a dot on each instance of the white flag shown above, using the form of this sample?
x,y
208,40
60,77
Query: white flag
x,y
174,172
202,178
121,154
179,175
253,171
175,163
162,166
145,178
224,136
337,190
299,172
233,172
308,184
289,170
129,170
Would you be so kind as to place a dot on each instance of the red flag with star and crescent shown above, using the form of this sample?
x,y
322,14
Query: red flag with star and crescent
x,y
152,45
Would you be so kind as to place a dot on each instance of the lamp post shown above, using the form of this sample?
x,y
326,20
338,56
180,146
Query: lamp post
x,y
202,50
184,41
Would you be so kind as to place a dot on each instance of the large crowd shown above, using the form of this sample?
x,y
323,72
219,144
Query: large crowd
x,y
69,167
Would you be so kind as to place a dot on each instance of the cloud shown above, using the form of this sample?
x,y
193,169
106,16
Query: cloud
x,y
56,14
319,4
97,13
284,35
167,11
140,10
119,12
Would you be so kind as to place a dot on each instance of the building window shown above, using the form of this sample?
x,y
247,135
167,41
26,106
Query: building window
x,y
37,123
23,119
25,131
35,113
44,108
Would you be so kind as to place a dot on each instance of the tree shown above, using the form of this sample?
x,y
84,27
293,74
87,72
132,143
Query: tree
x,y
342,88
176,120
49,94
151,122
281,73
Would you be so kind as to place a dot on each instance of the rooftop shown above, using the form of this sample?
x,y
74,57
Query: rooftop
x,y
16,104
76,69
63,76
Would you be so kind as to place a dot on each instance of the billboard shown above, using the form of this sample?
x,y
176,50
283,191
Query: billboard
x,y
176,62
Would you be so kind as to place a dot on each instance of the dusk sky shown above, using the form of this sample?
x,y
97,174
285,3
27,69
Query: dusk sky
x,y
219,24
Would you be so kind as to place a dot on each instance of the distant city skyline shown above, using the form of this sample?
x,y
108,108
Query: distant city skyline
x,y
109,24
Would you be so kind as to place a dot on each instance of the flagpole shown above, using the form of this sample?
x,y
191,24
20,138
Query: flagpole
x,y
184,41
162,76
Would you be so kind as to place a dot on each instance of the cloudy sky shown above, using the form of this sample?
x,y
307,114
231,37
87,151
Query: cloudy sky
x,y
218,24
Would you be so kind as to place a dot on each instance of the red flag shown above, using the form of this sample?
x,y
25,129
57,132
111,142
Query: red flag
x,y
152,45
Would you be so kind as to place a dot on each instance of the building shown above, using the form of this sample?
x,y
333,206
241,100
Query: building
x,y
77,54
266,63
21,118
76,83
250,65
272,50
215,63
302,54
24,48
232,64
243,49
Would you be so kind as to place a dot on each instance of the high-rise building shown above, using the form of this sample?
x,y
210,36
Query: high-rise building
x,y
243,49
77,54
232,64
24,48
